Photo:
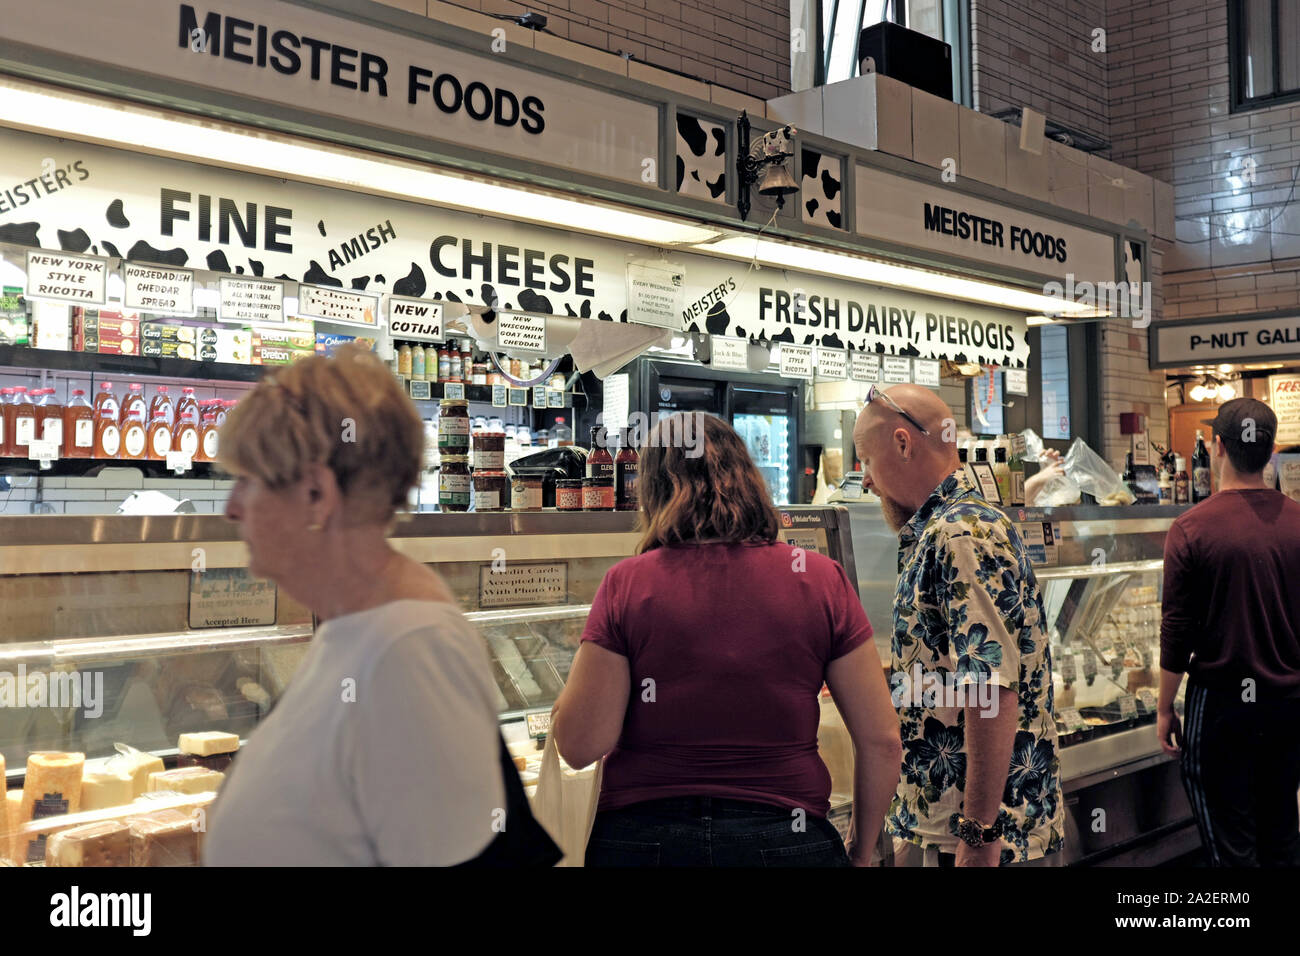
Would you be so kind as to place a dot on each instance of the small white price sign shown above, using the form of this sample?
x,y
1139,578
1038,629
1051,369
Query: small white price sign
x,y
539,723
1070,719
1128,707
925,372
453,390
731,354
499,396
179,461
896,369
1016,381
42,451
864,367
796,361
515,331
832,365
1148,698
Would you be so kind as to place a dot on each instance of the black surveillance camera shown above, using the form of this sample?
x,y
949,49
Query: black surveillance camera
x,y
534,21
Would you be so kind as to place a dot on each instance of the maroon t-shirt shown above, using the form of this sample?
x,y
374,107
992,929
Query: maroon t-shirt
x,y
1232,593
736,640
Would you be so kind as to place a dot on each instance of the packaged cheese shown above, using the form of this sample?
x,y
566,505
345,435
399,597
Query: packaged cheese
x,y
186,780
95,844
53,785
165,838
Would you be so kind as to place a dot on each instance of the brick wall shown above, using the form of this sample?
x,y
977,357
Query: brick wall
x,y
1039,54
740,44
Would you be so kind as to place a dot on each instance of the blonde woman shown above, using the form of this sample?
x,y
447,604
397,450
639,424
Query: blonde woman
x,y
384,749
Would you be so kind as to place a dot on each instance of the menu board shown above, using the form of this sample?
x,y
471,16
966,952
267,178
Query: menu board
x,y
66,277
158,289
338,305
254,301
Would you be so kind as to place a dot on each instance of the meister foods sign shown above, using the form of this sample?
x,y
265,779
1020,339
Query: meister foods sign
x,y
909,212
1211,341
290,54
183,216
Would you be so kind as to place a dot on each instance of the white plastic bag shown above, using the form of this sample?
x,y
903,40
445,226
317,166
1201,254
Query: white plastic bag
x,y
1089,471
565,803
1056,491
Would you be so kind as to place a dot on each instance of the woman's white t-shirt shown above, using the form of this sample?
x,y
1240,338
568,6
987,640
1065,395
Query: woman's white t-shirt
x,y
383,751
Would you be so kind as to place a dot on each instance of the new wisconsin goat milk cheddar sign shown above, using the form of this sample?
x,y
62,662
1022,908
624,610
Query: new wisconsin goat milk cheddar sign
x,y
306,59
181,215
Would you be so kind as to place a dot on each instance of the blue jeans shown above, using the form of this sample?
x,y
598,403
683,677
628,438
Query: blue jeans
x,y
711,831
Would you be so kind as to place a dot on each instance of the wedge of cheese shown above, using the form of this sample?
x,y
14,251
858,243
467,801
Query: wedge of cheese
x,y
95,844
103,789
186,780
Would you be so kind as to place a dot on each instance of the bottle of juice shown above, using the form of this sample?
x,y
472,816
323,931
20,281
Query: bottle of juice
x,y
417,362
404,360
6,421
49,419
162,402
24,422
158,437
78,426
134,407
187,409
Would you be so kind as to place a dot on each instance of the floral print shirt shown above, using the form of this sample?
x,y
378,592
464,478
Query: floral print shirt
x,y
968,617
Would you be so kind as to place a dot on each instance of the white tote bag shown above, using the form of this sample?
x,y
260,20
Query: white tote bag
x,y
565,803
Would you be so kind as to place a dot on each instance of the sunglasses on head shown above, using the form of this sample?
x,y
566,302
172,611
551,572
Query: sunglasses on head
x,y
874,393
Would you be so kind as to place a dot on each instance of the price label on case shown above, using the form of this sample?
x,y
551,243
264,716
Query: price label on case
x,y
1070,720
539,723
42,451
554,398
1069,669
1147,697
179,461
1128,708
539,396
421,390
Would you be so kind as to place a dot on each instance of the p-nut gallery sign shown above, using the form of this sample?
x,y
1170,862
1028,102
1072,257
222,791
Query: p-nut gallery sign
x,y
169,212
272,50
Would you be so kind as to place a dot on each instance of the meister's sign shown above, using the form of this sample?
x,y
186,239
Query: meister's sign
x,y
1209,341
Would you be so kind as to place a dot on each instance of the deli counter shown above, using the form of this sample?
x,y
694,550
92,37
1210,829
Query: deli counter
x,y
144,635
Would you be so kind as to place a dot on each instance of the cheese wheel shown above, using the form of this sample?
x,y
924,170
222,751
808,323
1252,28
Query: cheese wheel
x,y
53,785
103,789
208,743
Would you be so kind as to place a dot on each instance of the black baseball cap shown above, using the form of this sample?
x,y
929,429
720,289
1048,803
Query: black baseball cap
x,y
1232,415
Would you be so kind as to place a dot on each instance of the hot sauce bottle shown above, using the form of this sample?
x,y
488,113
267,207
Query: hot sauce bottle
x,y
626,466
159,437
78,426
24,422
600,464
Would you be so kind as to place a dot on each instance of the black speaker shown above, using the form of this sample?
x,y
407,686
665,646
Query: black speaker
x,y
907,56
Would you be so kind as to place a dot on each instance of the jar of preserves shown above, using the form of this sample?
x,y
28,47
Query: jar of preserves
x,y
453,426
491,490
489,451
526,493
454,483
480,376
568,494
598,494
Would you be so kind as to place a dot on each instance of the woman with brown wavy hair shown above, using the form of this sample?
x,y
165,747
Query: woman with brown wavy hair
x,y
699,674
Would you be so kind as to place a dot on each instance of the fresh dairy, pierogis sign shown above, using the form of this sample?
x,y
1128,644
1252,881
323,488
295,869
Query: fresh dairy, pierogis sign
x,y
289,53
185,216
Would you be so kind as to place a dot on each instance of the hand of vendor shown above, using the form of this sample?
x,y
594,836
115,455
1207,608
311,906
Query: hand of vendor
x,y
1051,467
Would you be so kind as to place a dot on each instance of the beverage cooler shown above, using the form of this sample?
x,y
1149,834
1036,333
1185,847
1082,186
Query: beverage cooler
x,y
765,410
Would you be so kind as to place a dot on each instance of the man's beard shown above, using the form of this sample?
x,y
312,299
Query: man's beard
x,y
896,515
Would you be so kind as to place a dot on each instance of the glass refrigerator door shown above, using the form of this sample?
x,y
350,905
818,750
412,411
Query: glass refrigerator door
x,y
764,421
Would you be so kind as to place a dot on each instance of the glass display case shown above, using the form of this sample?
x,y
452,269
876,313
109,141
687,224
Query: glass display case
x,y
120,637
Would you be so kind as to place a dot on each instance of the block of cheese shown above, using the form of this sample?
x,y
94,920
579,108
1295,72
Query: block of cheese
x,y
9,846
186,780
208,743
95,844
137,765
103,789
52,786
164,838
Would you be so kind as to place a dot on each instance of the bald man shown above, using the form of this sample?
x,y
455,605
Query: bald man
x,y
971,668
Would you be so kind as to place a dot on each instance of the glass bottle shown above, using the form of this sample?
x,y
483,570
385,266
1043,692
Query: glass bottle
x,y
417,362
626,466
466,362
563,433
600,463
404,360
444,363
1002,473
1182,484
1201,485
78,426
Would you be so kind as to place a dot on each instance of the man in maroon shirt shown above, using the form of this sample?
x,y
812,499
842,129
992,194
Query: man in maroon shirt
x,y
1231,620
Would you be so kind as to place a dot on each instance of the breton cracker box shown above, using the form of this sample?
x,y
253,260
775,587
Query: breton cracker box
x,y
277,355
288,339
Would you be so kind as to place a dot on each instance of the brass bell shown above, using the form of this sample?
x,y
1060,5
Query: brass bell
x,y
777,182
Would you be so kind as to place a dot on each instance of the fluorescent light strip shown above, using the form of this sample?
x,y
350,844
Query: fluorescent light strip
x,y
80,116
840,265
